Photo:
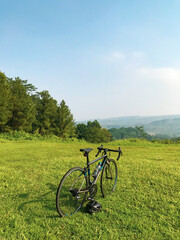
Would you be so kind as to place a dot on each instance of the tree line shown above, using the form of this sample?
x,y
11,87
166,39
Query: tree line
x,y
22,108
135,132
129,132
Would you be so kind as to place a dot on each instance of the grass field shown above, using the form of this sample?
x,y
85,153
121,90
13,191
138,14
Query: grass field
x,y
144,205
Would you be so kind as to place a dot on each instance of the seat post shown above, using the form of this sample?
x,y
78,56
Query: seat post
x,y
87,159
86,152
88,177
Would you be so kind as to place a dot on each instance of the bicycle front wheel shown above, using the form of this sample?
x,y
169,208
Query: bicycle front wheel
x,y
108,177
71,192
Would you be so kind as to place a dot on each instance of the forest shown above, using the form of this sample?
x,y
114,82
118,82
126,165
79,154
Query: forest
x,y
23,108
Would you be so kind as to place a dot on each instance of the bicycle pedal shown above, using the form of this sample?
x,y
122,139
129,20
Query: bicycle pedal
x,y
78,197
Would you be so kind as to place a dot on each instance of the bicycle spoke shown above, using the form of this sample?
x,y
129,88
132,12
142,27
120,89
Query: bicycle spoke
x,y
75,181
109,177
69,196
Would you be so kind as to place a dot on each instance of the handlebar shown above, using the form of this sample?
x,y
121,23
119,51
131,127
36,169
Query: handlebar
x,y
109,150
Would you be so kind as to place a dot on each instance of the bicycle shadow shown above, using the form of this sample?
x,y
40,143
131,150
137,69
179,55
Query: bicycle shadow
x,y
45,201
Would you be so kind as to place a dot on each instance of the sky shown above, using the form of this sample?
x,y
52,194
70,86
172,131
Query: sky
x,y
105,58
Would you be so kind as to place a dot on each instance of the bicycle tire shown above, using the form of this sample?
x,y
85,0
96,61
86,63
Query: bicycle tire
x,y
108,177
67,202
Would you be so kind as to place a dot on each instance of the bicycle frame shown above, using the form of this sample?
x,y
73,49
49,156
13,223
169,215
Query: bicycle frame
x,y
87,169
82,187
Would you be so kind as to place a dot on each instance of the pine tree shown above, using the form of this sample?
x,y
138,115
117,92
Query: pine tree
x,y
65,121
46,108
5,103
23,109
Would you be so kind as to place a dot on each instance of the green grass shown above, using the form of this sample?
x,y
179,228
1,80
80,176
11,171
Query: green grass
x,y
144,205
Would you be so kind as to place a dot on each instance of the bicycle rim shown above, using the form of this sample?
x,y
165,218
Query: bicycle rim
x,y
109,177
69,199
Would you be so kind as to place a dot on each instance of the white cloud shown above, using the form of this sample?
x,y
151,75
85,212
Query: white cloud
x,y
135,65
170,76
128,84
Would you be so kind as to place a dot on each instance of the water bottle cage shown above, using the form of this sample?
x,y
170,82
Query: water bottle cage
x,y
95,173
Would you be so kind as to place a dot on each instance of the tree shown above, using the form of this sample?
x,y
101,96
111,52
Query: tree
x,y
94,124
129,132
81,131
141,132
97,134
105,135
46,108
23,109
93,132
65,121
5,103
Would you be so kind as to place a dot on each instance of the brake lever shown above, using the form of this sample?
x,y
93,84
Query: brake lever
x,y
98,153
120,154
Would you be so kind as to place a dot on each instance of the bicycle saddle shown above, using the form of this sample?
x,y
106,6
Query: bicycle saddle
x,y
86,150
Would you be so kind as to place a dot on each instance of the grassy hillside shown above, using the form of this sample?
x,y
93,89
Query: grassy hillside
x,y
144,205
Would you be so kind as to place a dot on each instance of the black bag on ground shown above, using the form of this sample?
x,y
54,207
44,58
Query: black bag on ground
x,y
93,207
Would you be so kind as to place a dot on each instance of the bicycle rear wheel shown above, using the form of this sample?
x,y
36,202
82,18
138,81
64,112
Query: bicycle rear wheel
x,y
108,177
71,192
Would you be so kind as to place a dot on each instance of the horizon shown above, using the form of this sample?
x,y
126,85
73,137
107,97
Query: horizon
x,y
138,116
105,59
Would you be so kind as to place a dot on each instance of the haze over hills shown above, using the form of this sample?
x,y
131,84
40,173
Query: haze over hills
x,y
169,127
166,124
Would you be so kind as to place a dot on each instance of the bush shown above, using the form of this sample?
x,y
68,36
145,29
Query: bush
x,y
21,135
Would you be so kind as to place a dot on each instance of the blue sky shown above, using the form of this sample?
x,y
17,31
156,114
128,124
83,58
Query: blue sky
x,y
104,58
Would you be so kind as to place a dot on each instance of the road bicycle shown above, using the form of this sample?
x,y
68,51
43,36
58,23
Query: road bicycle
x,y
78,185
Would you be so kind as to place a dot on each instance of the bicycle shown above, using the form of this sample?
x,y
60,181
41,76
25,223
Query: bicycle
x,y
76,186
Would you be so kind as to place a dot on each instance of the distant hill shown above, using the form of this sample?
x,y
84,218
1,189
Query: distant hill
x,y
170,127
166,125
133,121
